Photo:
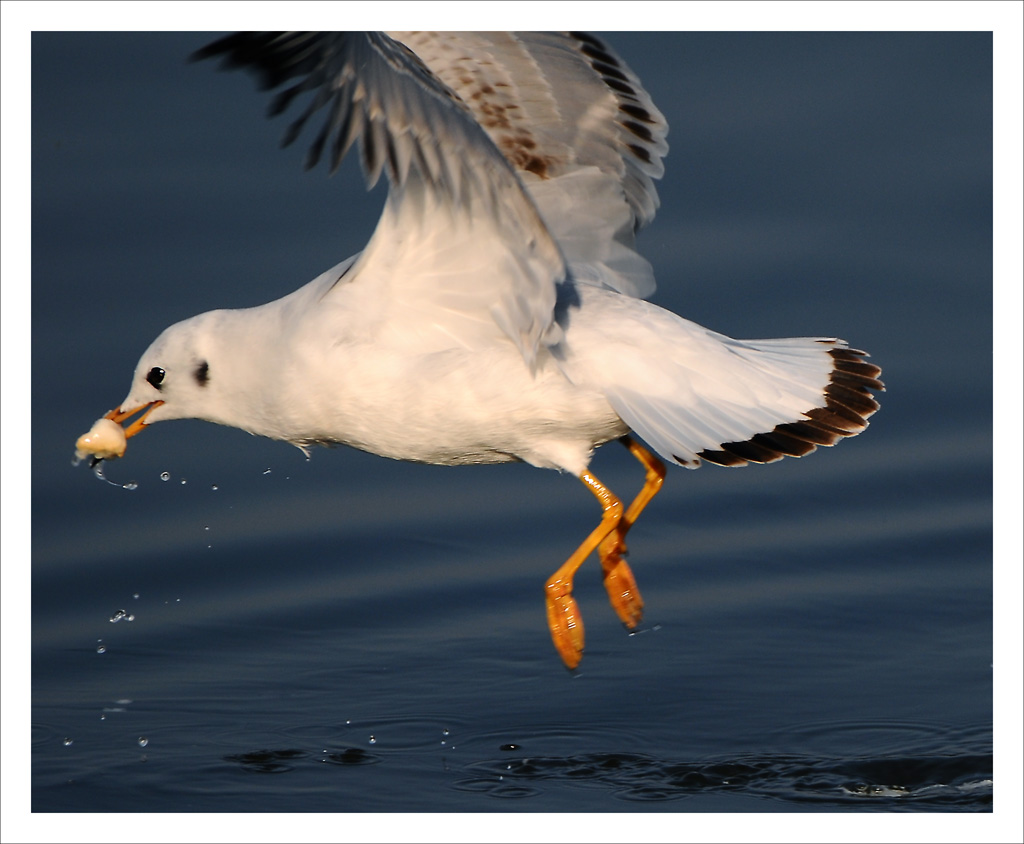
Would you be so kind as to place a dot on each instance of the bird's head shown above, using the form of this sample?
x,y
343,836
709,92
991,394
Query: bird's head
x,y
178,377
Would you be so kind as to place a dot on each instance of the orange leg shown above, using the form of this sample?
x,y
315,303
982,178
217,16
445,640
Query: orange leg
x,y
618,577
564,619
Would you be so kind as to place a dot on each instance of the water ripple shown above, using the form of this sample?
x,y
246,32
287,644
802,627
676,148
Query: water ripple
x,y
267,761
285,761
884,782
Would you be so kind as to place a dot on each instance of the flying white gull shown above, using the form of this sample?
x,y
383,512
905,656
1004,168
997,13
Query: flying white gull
x,y
497,313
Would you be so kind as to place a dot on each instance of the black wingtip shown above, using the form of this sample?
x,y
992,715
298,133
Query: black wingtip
x,y
216,48
846,405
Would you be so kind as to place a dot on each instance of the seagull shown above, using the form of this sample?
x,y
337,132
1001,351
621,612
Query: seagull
x,y
499,311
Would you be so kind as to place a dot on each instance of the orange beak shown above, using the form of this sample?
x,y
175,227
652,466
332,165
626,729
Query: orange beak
x,y
120,416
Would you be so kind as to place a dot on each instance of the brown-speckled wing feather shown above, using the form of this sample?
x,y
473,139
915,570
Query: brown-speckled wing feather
x,y
555,102
579,128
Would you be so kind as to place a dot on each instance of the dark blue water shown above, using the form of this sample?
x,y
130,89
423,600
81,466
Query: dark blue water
x,y
353,634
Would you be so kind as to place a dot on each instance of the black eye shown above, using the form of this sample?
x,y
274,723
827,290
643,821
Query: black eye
x,y
156,377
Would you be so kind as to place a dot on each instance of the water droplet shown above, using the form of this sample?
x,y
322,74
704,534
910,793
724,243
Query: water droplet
x,y
135,595
143,741
266,471
130,485
101,649
130,617
214,487
183,482
347,723
68,741
444,732
373,739
116,617
103,717
206,527
165,476
97,470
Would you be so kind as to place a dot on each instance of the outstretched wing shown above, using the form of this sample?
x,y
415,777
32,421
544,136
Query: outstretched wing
x,y
576,123
456,209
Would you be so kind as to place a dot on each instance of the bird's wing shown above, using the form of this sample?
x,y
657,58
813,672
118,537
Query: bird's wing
x,y
576,123
460,249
